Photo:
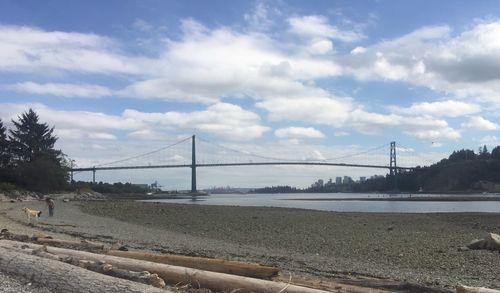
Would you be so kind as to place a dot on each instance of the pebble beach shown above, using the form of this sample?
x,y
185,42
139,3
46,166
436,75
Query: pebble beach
x,y
426,249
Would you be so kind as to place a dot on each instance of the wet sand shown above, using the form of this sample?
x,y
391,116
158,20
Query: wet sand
x,y
417,248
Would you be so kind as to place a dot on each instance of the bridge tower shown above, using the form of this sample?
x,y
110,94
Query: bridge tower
x,y
393,166
193,165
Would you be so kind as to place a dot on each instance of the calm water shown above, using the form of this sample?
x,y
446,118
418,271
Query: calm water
x,y
305,201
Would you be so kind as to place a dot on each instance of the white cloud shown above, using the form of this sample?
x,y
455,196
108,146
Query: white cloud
x,y
249,64
372,123
465,65
341,133
81,134
314,155
222,119
146,134
62,89
358,50
102,136
428,128
29,49
321,110
320,46
318,26
231,64
69,133
82,120
479,123
490,140
298,132
260,18
447,108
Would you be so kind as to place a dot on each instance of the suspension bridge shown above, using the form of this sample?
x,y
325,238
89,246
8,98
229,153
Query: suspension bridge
x,y
215,155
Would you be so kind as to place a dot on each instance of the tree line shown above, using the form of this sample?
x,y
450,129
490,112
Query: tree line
x,y
28,158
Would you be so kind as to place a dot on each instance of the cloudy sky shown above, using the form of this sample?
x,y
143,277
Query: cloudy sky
x,y
291,79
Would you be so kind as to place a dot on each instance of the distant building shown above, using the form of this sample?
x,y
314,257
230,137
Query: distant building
x,y
347,180
318,184
362,179
338,180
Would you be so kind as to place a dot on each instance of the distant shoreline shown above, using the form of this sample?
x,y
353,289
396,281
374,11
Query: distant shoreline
x,y
415,198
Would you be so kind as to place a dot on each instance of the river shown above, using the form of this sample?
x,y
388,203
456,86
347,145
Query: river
x,y
330,202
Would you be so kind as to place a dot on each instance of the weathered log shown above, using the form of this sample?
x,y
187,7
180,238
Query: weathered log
x,y
201,263
466,289
45,239
144,277
181,275
84,245
62,277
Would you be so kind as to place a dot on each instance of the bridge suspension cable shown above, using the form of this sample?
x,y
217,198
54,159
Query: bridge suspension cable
x,y
145,154
296,160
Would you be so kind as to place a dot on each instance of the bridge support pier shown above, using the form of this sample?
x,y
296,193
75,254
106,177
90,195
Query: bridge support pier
x,y
93,175
193,165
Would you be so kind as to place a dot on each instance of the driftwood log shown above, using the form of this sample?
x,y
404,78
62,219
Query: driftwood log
x,y
179,275
491,242
45,239
98,267
61,277
465,289
202,263
107,269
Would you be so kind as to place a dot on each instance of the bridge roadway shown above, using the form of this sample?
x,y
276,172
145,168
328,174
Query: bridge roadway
x,y
238,164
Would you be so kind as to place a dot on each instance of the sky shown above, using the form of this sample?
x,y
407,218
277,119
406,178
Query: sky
x,y
288,79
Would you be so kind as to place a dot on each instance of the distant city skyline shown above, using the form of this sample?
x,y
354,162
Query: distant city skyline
x,y
301,79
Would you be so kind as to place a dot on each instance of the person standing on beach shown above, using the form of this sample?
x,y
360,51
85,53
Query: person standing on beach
x,y
51,205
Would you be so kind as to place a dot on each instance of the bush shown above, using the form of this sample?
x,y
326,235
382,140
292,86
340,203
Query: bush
x,y
7,187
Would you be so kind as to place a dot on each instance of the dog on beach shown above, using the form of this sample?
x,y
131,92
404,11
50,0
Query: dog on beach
x,y
32,214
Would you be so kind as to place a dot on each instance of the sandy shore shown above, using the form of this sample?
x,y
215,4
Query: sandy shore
x,y
417,248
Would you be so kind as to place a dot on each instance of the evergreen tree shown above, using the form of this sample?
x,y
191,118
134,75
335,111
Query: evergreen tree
x,y
32,140
4,147
483,153
36,164
495,153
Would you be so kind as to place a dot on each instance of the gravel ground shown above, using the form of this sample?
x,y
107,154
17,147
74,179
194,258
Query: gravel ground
x,y
10,284
418,248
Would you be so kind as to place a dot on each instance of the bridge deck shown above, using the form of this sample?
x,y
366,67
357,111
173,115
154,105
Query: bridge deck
x,y
238,164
